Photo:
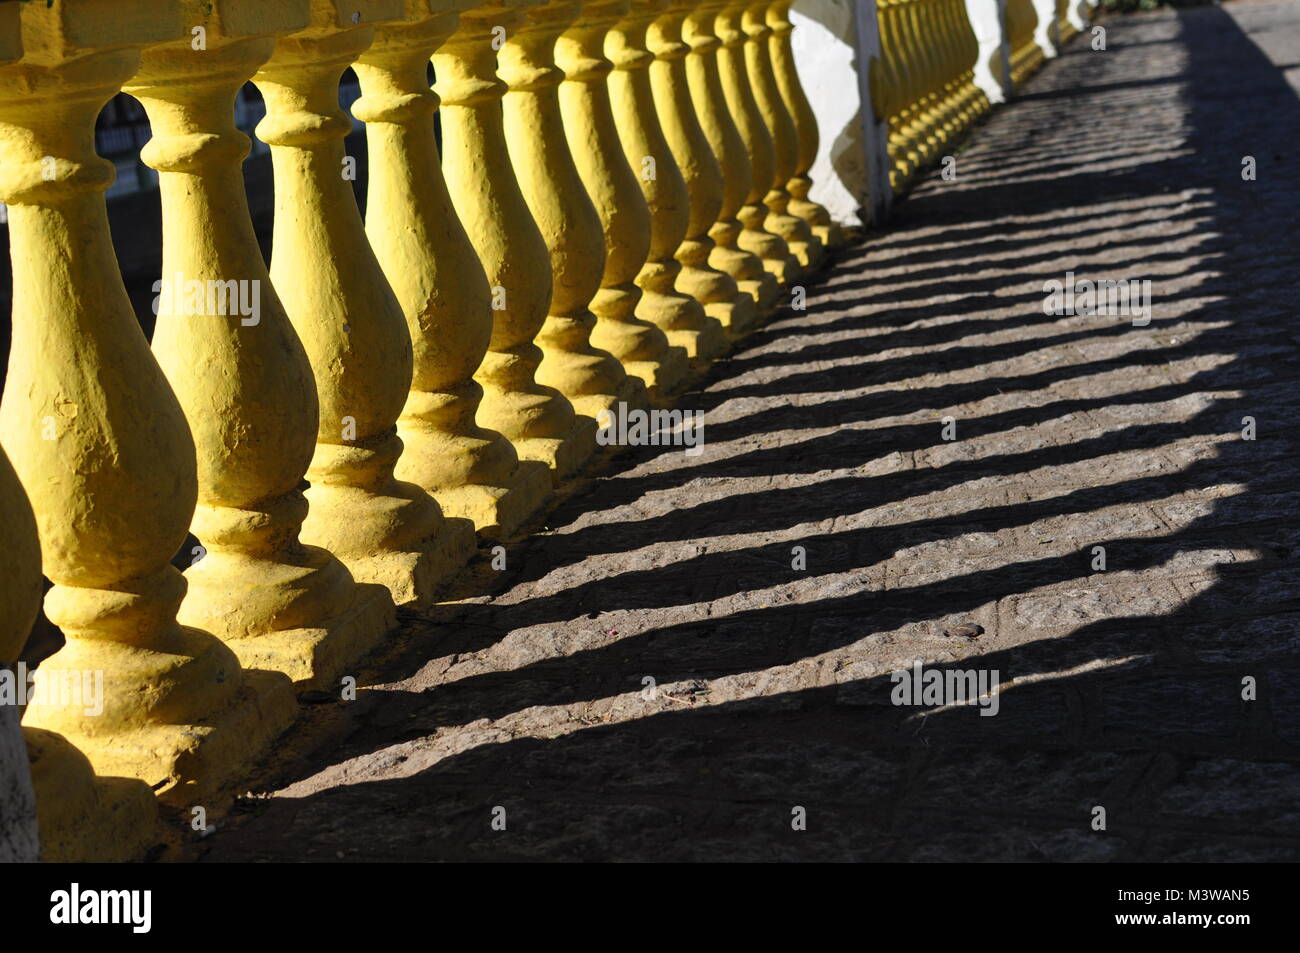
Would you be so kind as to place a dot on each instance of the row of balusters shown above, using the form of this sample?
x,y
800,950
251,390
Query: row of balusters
x,y
923,87
622,189
1031,26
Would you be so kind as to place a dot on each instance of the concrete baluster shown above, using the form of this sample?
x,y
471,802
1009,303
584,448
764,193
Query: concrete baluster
x,y
539,420
100,443
799,237
758,236
805,125
386,531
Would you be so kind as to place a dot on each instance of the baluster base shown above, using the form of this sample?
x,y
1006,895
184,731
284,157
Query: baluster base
x,y
746,268
765,292
184,762
593,380
662,379
317,658
565,455
774,254
416,579
641,347
497,512
736,316
326,622
379,549
472,472
539,421
83,818
702,340
631,393
823,228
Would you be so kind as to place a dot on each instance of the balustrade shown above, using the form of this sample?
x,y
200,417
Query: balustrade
x,y
622,186
928,74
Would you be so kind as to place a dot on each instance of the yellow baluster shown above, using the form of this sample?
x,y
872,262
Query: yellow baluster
x,y
1026,54
47,783
727,146
949,93
539,420
1019,31
386,532
799,237
805,122
1015,34
427,257
592,379
99,441
253,410
715,289
760,234
905,123
681,317
588,118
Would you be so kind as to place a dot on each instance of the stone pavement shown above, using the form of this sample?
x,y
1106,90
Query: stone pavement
x,y
1120,688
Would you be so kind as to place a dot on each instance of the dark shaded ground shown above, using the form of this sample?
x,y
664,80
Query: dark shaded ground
x,y
1121,688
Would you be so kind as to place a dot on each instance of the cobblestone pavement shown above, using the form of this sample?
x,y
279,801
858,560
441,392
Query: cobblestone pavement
x,y
1120,688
